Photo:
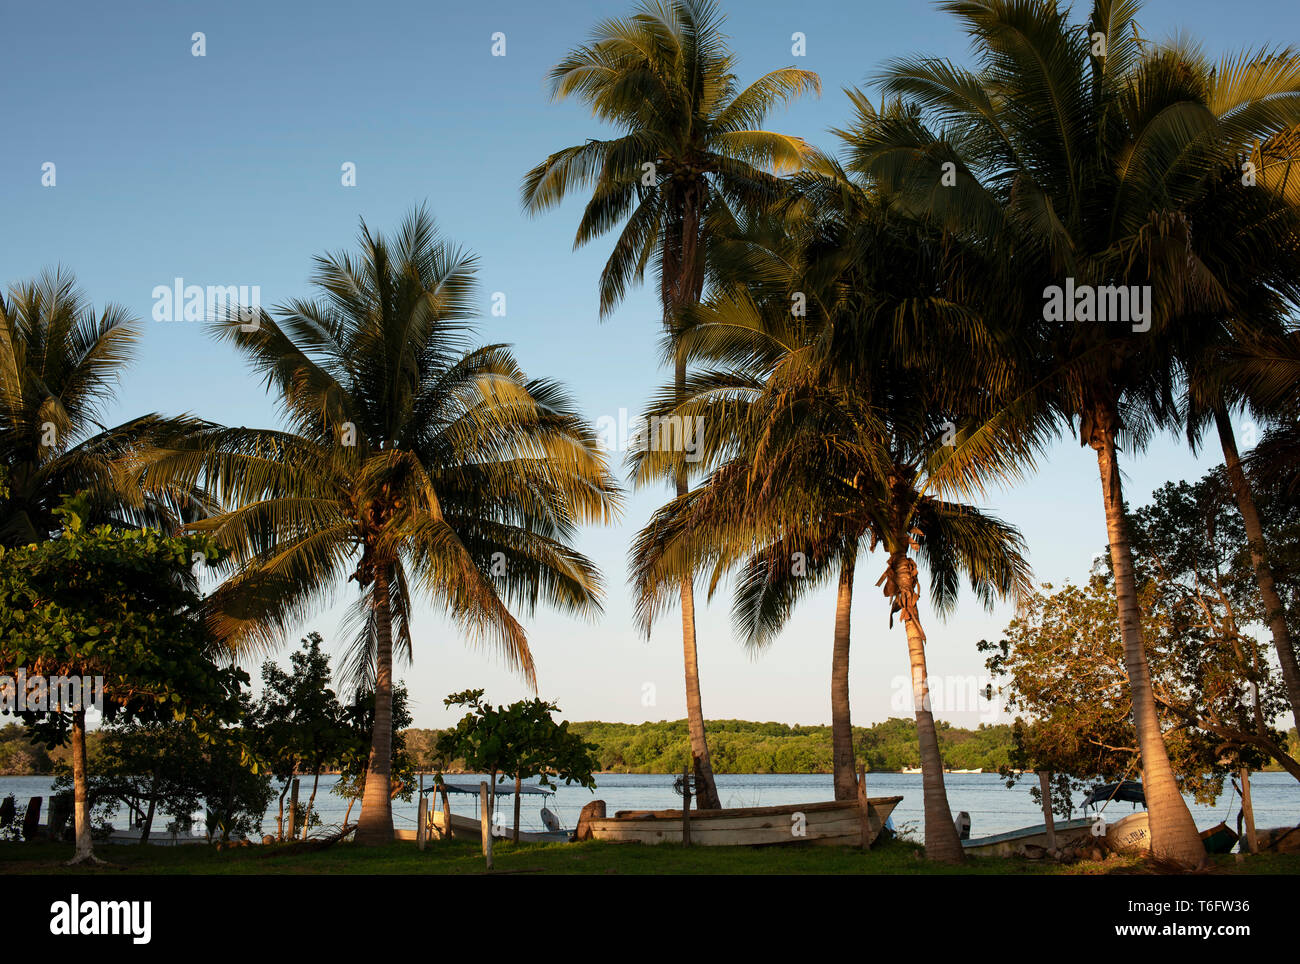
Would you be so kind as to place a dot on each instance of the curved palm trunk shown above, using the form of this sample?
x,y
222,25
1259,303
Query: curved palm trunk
x,y
941,841
1173,832
682,284
1274,614
80,806
375,825
706,790
843,764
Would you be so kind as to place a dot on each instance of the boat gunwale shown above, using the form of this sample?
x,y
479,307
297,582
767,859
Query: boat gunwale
x,y
736,812
1038,830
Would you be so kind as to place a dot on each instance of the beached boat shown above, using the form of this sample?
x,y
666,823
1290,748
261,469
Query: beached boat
x,y
1131,834
833,823
1013,842
470,828
1219,839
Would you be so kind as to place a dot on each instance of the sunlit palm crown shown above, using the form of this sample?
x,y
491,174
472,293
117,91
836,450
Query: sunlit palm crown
x,y
408,452
1070,163
827,429
665,78
59,365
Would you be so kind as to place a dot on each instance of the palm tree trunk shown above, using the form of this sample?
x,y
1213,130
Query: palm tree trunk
x,y
80,792
1173,832
682,284
1274,614
843,764
941,841
706,789
375,825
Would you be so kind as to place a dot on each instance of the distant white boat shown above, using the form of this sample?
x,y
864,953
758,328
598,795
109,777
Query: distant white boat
x,y
910,770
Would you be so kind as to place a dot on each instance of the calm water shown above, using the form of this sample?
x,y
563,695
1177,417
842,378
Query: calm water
x,y
993,808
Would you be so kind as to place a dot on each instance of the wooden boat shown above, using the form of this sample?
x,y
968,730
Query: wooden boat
x,y
1011,843
470,828
1130,835
842,823
1219,839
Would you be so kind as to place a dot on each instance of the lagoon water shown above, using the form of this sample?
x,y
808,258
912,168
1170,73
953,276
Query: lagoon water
x,y
993,808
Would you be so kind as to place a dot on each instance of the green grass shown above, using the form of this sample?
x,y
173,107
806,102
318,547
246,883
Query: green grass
x,y
592,857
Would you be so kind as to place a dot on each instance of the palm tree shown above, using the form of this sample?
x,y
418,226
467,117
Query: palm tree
x,y
412,463
1248,236
833,436
689,159
59,365
1074,158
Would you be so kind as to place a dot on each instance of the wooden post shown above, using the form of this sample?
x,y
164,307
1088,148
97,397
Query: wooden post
x,y
446,812
422,821
869,833
485,819
686,807
293,807
32,819
1045,786
1252,841
519,782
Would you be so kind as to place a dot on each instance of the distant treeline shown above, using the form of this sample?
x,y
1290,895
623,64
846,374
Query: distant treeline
x,y
737,746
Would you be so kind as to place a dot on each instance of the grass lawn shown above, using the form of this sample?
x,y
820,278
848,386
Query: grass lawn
x,y
591,857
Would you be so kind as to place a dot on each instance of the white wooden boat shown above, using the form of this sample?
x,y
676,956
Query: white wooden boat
x,y
1132,834
1011,843
834,823
470,828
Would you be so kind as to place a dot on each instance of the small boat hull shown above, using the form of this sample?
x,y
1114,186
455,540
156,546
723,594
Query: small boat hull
x,y
1013,842
838,823
1219,839
1130,835
469,828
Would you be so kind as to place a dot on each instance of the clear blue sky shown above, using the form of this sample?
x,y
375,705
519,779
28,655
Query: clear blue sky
x,y
225,169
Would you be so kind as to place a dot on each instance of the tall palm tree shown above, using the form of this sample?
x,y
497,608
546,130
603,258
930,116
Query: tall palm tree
x,y
832,438
689,159
412,462
1076,160
59,365
1248,235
